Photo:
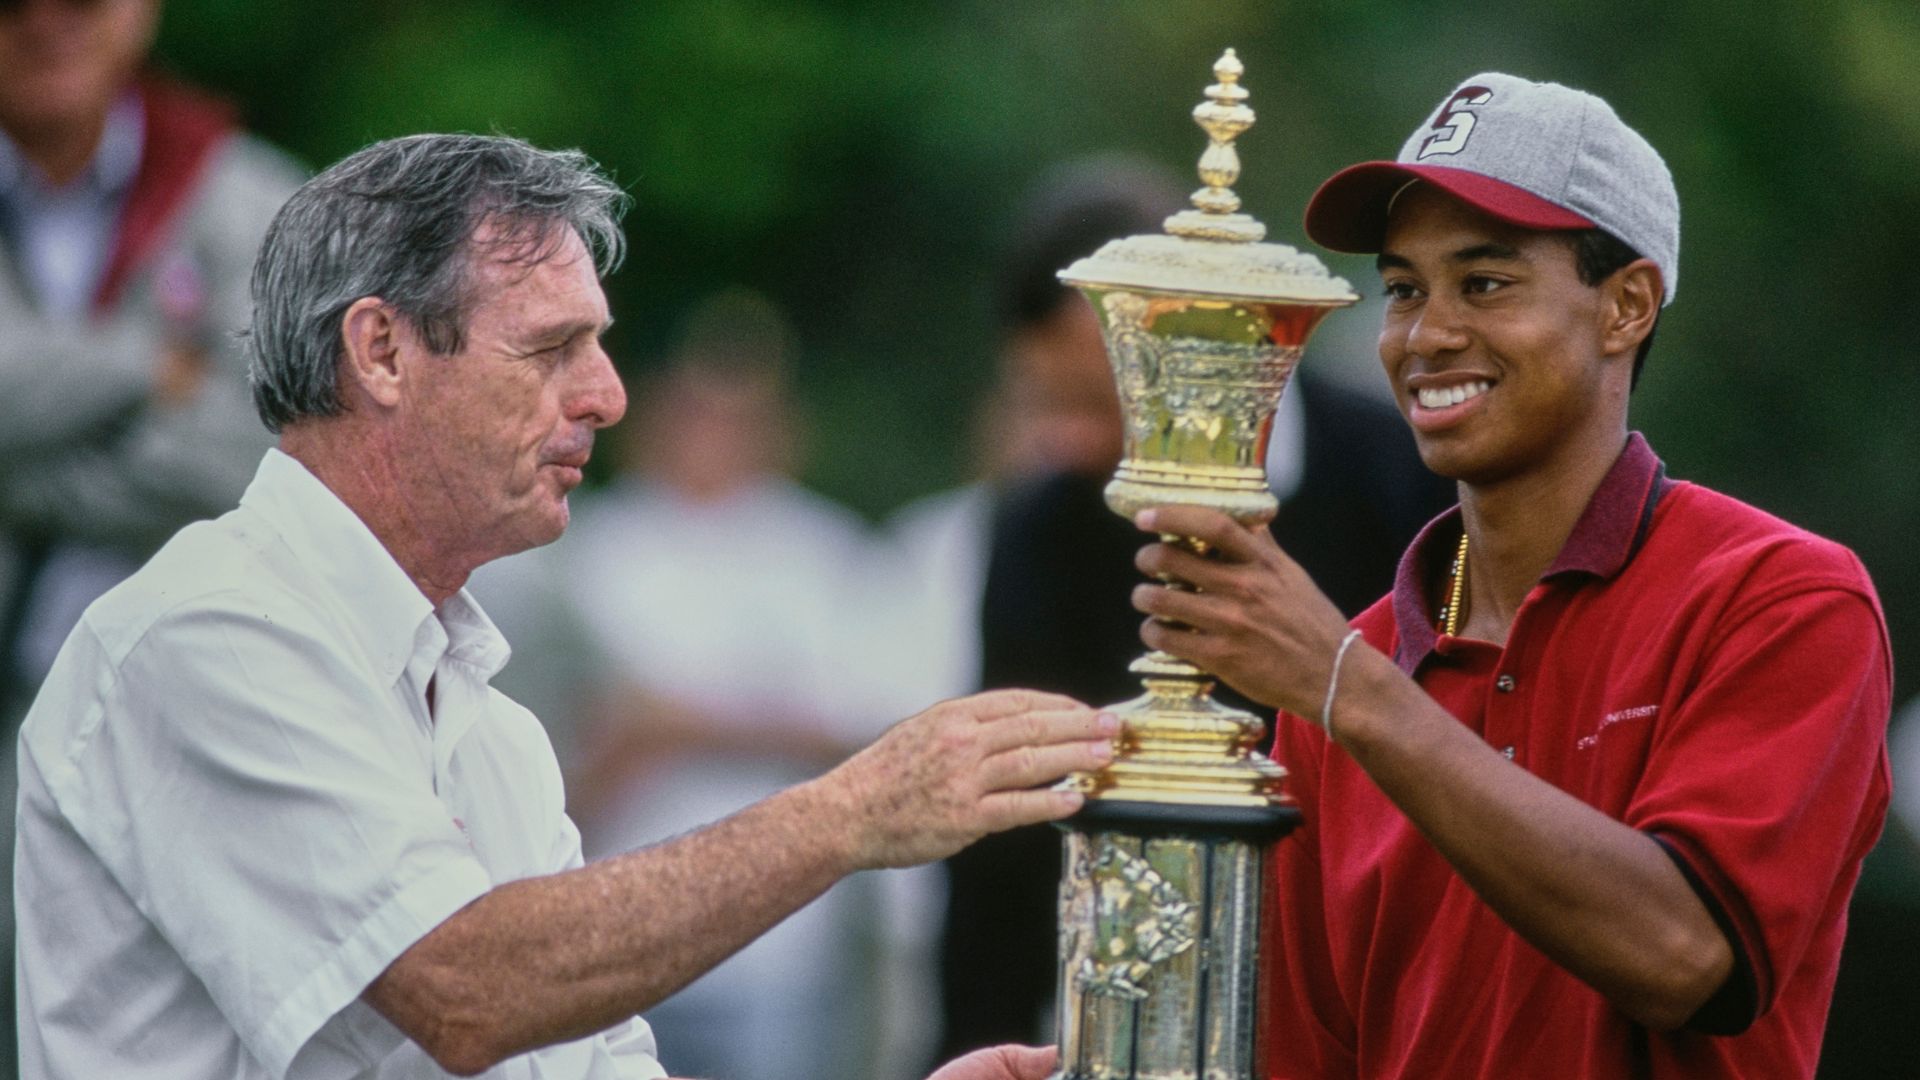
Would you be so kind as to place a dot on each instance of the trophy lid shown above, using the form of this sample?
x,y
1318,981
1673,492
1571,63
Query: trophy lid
x,y
1213,249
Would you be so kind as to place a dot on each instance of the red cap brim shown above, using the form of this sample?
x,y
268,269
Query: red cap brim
x,y
1349,212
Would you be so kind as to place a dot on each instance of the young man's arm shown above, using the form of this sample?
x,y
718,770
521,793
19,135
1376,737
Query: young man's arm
x,y
1600,898
549,959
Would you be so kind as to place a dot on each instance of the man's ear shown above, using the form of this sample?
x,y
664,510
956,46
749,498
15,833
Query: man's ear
x,y
1634,293
371,338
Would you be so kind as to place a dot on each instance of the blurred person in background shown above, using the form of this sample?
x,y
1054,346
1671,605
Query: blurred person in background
x,y
1906,765
932,557
1055,610
130,210
722,596
937,546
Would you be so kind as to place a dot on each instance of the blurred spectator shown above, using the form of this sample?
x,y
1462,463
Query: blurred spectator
x,y
1904,751
938,546
1052,410
924,586
720,592
1055,612
130,210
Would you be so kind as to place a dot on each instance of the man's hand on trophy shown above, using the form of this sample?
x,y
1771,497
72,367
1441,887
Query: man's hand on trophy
x,y
942,779
1254,617
1001,1063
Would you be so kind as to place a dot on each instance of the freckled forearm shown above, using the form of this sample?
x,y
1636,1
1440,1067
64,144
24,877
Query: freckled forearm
x,y
554,958
549,959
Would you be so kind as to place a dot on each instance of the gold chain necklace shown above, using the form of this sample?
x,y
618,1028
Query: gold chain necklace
x,y
1456,590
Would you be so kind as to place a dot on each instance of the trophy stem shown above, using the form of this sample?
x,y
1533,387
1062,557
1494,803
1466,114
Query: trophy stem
x,y
1164,665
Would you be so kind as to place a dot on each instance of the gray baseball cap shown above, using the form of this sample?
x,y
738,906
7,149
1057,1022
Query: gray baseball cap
x,y
1537,155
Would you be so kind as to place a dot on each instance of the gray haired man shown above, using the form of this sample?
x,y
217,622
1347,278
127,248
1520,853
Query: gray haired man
x,y
274,821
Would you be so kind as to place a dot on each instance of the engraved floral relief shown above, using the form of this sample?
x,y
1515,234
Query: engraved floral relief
x,y
1191,399
1219,393
1131,919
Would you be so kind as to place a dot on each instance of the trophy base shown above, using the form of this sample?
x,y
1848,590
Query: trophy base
x,y
1160,929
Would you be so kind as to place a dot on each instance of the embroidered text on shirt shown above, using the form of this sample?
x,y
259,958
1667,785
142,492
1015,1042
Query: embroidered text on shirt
x,y
1638,712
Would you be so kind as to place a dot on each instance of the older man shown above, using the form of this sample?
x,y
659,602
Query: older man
x,y
1587,794
274,821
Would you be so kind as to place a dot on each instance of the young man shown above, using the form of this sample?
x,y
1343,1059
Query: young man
x,y
1588,792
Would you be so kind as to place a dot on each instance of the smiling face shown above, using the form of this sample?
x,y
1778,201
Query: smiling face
x,y
1502,360
494,436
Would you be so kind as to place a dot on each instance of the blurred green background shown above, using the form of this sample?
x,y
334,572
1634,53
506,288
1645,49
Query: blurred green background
x,y
859,163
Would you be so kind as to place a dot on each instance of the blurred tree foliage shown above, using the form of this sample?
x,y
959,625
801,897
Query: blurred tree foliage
x,y
859,163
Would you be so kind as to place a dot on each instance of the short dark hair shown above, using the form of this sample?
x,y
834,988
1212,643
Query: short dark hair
x,y
1597,256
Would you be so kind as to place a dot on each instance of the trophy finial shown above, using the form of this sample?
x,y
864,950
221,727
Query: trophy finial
x,y
1223,116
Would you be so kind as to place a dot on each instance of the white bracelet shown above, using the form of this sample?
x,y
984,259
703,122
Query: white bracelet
x,y
1333,681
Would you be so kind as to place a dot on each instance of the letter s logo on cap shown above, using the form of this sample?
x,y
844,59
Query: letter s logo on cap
x,y
1455,122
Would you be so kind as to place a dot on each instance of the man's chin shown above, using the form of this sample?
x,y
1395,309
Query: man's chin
x,y
1461,467
1451,458
538,531
555,524
1440,457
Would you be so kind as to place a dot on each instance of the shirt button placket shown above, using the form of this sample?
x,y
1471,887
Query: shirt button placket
x,y
1505,683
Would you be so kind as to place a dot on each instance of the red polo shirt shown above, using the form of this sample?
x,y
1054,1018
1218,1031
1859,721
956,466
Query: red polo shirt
x,y
1697,669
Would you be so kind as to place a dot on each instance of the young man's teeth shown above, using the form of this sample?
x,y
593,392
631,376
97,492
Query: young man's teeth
x,y
1439,397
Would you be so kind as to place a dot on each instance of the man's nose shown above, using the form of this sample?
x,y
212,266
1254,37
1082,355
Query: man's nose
x,y
600,398
1437,329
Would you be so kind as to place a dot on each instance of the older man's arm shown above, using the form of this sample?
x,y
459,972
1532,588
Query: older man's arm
x,y
550,959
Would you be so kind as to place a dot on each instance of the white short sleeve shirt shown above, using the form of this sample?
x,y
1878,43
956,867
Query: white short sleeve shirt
x,y
236,808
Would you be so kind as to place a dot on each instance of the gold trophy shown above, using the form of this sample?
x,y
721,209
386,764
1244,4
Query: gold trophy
x,y
1161,892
